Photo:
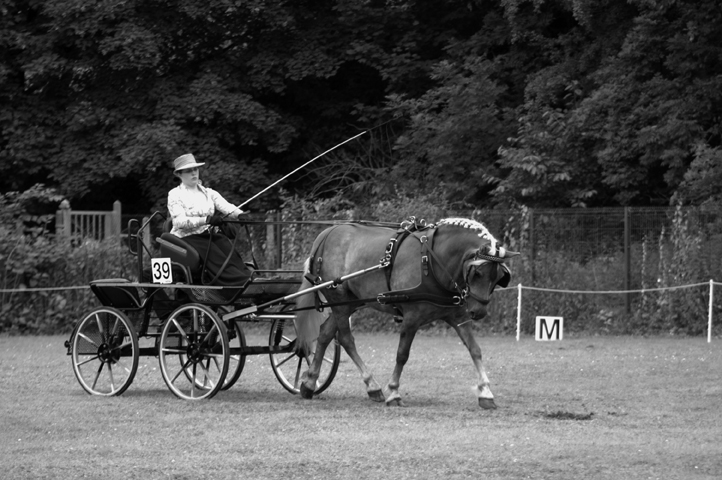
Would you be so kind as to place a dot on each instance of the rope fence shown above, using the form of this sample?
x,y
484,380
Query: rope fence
x,y
518,289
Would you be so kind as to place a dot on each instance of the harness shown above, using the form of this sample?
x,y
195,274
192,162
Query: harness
x,y
431,268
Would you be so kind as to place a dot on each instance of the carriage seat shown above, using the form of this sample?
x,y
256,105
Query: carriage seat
x,y
181,252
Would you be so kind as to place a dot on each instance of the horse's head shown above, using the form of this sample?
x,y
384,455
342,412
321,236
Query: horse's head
x,y
484,269
483,264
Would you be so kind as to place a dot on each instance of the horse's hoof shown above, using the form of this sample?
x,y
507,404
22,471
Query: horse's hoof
x,y
487,403
376,395
394,400
306,392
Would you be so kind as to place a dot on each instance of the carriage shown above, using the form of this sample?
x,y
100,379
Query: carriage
x,y
427,272
195,330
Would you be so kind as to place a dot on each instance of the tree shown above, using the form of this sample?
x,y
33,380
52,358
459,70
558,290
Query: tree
x,y
631,116
109,93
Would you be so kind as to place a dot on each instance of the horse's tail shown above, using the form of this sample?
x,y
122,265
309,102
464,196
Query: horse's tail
x,y
308,320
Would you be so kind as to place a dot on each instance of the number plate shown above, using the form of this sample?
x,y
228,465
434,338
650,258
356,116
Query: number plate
x,y
161,271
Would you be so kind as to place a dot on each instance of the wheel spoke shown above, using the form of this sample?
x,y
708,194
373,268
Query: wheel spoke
x,y
97,374
182,332
112,380
172,350
193,381
114,330
94,357
121,347
88,339
299,367
207,380
290,357
182,369
100,324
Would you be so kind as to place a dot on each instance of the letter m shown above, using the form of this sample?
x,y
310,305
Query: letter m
x,y
549,328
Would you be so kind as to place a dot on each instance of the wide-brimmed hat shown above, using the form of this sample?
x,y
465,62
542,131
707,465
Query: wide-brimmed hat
x,y
185,161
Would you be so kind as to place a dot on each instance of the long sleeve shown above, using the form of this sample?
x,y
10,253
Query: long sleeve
x,y
188,211
222,205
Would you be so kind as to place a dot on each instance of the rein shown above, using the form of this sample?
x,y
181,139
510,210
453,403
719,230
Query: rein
x,y
225,263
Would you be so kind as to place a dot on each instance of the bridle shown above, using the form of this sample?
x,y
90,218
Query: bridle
x,y
480,257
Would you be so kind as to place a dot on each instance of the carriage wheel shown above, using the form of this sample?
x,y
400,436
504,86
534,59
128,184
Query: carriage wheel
x,y
288,366
105,352
236,362
193,352
236,342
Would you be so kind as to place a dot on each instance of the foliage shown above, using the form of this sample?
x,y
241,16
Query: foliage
x,y
531,102
454,131
617,121
702,184
31,258
679,262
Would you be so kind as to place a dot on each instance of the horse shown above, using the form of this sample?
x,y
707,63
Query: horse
x,y
445,271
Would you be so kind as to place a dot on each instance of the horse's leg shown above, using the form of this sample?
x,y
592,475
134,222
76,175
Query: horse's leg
x,y
338,321
310,376
345,338
482,390
406,338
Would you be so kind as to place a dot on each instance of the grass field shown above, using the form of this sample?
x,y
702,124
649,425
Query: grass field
x,y
583,408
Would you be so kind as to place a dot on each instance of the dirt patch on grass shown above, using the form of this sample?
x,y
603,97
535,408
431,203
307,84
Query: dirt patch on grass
x,y
561,415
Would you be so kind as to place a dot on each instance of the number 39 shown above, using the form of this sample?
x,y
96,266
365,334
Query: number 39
x,y
161,271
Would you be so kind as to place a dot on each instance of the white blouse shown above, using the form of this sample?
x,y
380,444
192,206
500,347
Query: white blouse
x,y
189,209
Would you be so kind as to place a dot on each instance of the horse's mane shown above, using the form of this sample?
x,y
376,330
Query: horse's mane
x,y
471,224
494,248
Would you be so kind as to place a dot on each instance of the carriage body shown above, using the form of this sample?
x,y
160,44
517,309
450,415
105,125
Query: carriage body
x,y
191,327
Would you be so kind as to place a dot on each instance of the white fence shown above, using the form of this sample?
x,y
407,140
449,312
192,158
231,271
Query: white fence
x,y
97,225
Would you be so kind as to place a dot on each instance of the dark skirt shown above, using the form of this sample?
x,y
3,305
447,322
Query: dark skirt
x,y
214,250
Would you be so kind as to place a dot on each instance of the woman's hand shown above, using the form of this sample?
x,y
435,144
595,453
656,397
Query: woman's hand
x,y
214,220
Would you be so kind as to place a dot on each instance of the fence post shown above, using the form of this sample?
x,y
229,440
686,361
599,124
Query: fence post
x,y
62,220
709,315
518,312
115,219
271,247
627,261
279,241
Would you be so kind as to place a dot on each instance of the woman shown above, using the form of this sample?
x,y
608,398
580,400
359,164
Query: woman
x,y
193,210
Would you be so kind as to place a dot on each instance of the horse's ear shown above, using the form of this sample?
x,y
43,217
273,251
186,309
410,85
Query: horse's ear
x,y
510,254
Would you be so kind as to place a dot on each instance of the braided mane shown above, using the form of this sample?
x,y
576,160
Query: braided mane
x,y
493,250
471,224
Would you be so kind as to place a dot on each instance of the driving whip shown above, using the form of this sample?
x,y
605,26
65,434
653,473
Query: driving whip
x,y
299,168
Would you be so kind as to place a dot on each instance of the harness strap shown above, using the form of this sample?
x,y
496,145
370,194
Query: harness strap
x,y
424,253
315,264
407,296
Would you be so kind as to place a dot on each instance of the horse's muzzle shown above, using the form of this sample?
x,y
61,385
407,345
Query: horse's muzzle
x,y
478,312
